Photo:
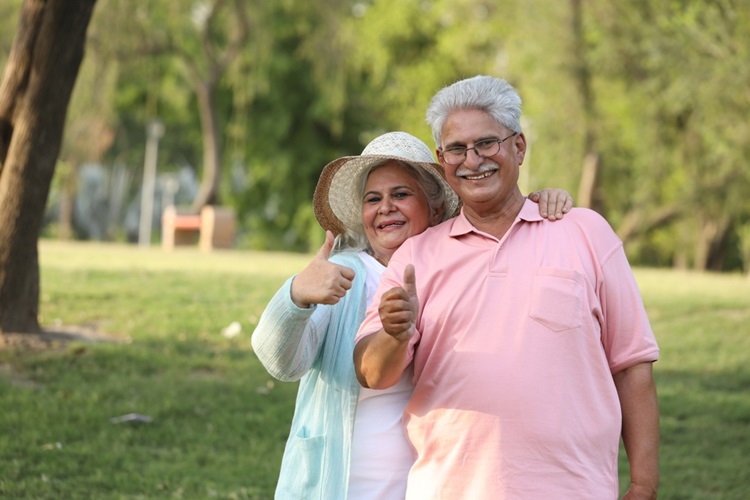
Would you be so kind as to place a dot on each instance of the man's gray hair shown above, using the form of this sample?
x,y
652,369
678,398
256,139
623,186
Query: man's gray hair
x,y
492,95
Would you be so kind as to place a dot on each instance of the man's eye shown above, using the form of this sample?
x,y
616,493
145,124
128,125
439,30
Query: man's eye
x,y
485,144
456,151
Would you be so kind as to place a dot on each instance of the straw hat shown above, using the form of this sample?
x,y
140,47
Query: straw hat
x,y
336,201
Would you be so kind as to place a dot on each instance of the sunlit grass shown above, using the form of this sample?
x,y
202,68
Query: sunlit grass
x,y
218,420
702,323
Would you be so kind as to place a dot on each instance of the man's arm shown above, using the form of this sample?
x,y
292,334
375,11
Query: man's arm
x,y
640,429
380,358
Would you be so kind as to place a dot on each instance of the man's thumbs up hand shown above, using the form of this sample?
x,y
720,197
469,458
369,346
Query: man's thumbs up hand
x,y
399,307
410,280
322,282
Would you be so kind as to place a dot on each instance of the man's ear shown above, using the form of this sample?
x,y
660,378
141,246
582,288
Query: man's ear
x,y
520,143
439,154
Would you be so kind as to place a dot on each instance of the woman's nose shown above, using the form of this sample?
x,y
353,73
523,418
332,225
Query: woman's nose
x,y
386,205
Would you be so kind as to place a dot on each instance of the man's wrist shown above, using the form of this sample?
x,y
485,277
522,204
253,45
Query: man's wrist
x,y
642,491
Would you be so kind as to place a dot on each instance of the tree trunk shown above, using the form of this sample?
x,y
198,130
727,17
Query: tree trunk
x,y
639,222
36,87
67,203
708,241
208,193
588,188
206,86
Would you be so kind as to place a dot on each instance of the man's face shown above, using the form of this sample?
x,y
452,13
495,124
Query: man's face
x,y
482,183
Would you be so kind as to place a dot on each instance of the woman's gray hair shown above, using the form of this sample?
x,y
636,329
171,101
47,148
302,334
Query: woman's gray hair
x,y
484,93
355,238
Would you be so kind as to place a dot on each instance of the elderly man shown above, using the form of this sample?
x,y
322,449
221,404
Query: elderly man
x,y
530,344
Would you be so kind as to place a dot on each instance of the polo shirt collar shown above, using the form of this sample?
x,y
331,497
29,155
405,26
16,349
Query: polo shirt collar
x,y
529,213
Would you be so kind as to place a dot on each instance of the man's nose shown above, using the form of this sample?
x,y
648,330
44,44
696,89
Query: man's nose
x,y
473,159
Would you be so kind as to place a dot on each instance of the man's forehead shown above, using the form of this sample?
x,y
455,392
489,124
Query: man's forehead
x,y
469,125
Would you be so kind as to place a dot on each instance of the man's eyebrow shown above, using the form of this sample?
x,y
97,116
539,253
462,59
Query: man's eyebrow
x,y
480,139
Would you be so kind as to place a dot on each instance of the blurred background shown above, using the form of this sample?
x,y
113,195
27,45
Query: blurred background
x,y
639,109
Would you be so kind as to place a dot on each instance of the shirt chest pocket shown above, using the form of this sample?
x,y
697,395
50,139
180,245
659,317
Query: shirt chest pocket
x,y
557,299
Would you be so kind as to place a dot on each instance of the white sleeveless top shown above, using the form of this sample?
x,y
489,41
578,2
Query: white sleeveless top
x,y
381,457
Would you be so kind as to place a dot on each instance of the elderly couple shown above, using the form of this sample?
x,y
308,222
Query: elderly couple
x,y
472,349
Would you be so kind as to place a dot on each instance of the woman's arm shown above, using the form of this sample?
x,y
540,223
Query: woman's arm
x,y
293,326
287,338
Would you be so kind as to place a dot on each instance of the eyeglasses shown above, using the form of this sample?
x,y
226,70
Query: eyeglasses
x,y
456,155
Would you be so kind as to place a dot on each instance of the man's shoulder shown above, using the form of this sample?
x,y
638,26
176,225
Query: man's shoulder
x,y
585,217
589,225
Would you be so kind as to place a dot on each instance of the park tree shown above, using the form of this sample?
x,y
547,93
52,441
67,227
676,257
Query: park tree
x,y
589,194
407,50
37,83
301,107
196,46
639,108
262,82
675,130
221,31
89,133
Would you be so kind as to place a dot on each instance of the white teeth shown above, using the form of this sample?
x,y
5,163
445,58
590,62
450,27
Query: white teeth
x,y
477,177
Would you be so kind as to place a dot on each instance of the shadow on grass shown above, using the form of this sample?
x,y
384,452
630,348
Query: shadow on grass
x,y
218,421
705,443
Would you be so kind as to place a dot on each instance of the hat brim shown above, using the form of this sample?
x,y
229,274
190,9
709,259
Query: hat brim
x,y
336,204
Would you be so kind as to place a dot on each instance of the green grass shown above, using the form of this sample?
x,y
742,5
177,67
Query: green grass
x,y
702,323
220,422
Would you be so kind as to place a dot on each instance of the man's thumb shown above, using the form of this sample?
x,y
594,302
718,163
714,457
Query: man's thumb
x,y
325,250
410,280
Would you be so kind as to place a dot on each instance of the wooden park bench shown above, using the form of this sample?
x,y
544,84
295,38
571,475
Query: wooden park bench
x,y
214,227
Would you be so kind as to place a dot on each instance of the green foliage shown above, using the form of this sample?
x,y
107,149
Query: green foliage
x,y
9,11
293,128
683,76
318,79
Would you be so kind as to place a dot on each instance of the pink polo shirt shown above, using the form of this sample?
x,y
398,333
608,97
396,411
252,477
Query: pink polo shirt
x,y
513,357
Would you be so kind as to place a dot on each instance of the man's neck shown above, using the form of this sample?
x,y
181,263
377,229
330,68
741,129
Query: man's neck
x,y
495,220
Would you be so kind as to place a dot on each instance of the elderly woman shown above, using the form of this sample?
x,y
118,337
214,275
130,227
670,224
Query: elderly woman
x,y
345,441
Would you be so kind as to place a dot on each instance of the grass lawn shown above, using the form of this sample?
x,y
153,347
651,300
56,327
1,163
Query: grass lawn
x,y
219,422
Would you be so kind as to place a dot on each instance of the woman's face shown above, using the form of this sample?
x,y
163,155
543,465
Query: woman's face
x,y
394,208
